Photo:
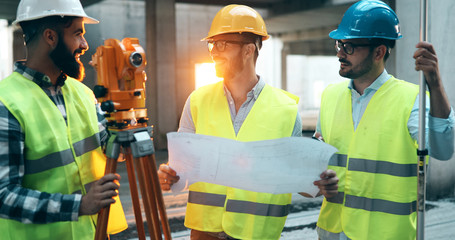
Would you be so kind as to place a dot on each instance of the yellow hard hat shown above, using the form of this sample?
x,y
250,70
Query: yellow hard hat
x,y
237,19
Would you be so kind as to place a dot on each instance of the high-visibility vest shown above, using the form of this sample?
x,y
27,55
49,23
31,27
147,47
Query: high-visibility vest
x,y
241,214
376,163
60,157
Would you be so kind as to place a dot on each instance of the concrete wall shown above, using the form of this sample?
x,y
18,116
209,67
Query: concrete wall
x,y
193,23
6,66
118,19
156,33
441,25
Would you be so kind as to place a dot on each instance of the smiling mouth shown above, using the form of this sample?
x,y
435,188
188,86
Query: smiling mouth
x,y
343,63
218,62
78,53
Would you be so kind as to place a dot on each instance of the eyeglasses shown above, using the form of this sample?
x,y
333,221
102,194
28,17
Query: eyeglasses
x,y
221,44
348,47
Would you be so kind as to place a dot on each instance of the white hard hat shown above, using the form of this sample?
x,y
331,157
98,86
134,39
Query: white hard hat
x,y
36,9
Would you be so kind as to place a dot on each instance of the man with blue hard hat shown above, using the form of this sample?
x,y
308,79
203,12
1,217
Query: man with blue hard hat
x,y
372,119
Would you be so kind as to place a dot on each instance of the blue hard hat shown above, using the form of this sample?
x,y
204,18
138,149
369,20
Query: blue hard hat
x,y
368,19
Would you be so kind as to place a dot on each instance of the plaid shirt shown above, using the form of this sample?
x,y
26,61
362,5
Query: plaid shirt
x,y
22,204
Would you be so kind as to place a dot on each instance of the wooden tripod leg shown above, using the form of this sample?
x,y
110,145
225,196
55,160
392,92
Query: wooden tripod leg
x,y
103,216
152,190
149,202
152,172
134,194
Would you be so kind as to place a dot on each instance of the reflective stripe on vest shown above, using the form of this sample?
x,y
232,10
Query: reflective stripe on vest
x,y
241,214
338,160
60,157
376,163
218,200
371,166
87,145
393,169
339,198
379,205
209,199
260,209
53,160
376,205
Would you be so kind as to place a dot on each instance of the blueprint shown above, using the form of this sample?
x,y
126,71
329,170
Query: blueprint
x,y
285,165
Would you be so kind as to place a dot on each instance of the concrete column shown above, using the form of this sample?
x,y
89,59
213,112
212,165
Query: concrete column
x,y
161,55
441,22
284,54
19,51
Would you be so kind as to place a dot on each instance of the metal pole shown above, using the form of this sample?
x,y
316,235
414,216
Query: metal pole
x,y
422,152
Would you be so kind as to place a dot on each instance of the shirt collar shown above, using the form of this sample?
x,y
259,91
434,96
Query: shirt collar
x,y
256,90
376,84
258,87
39,78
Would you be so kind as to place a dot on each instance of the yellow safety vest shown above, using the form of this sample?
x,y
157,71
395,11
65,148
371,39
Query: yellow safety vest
x,y
241,214
376,163
59,157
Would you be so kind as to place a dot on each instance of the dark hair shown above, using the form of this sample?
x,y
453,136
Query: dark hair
x,y
33,28
386,42
256,39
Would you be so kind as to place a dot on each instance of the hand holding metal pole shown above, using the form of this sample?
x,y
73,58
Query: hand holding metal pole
x,y
422,152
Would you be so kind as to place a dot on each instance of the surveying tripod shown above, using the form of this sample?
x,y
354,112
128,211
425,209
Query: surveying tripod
x,y
138,151
121,91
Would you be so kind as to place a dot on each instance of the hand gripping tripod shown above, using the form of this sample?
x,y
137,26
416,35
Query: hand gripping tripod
x,y
120,72
139,152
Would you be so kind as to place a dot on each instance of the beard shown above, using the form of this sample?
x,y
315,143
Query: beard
x,y
66,61
231,68
357,71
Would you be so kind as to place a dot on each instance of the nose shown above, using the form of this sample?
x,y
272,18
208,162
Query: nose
x,y
83,44
214,52
341,53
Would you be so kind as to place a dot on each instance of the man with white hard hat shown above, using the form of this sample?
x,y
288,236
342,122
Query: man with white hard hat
x,y
51,161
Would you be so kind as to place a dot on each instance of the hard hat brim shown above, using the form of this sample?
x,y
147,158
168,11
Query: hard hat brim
x,y
340,35
209,37
87,19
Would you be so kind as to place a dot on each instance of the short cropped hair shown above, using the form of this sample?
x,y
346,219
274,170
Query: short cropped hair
x,y
256,39
33,28
386,42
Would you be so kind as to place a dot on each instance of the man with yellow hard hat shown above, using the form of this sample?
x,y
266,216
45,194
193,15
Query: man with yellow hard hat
x,y
241,107
51,162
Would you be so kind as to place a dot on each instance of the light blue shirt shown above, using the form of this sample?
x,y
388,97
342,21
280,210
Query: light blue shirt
x,y
439,131
237,118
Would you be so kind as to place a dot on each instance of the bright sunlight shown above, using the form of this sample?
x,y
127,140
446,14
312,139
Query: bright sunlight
x,y
205,74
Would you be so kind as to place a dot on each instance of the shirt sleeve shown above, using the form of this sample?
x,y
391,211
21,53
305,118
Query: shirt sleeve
x,y
102,124
439,133
23,204
318,125
297,131
186,120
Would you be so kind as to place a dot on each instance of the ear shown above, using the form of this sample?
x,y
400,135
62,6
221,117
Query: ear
x,y
380,52
249,50
50,37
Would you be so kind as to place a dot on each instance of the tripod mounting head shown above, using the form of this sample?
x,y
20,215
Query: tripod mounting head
x,y
120,67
